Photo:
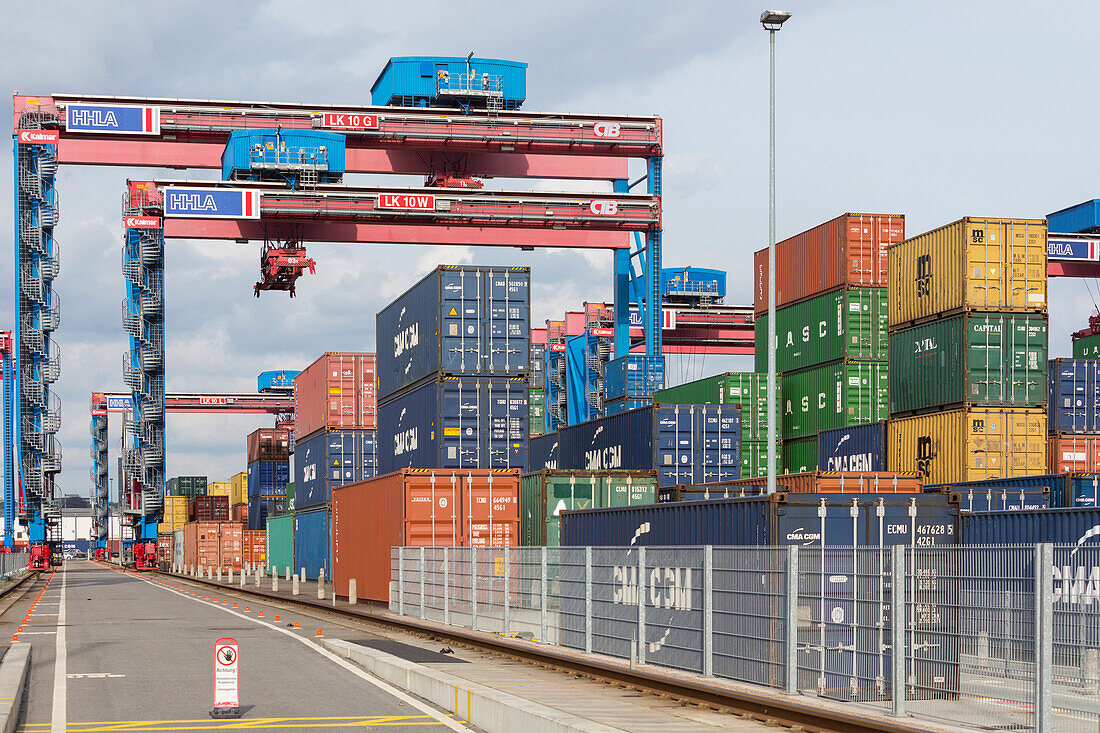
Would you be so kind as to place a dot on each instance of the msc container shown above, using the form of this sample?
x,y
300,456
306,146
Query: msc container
x,y
849,250
1074,389
1087,347
268,478
844,324
1074,453
1083,217
832,396
970,445
460,320
339,390
754,458
267,154
853,448
990,359
633,375
471,507
277,381
693,282
683,443
545,494
799,455
1022,493
456,422
332,458
411,81
311,542
269,444
971,264
747,389
543,452
538,363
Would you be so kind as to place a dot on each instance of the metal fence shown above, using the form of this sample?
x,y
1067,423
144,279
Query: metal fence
x,y
12,563
1006,638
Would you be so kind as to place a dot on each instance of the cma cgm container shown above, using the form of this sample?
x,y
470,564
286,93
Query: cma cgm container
x,y
853,448
800,455
1074,389
1075,453
332,458
633,375
849,250
543,452
268,478
832,396
996,359
1087,347
339,390
844,324
971,264
456,422
311,542
747,389
683,443
544,495
460,320
471,507
970,445
280,543
268,444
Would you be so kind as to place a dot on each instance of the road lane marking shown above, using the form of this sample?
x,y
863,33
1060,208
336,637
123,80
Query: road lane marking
x,y
245,724
59,718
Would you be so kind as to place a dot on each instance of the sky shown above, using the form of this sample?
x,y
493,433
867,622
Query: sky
x,y
936,110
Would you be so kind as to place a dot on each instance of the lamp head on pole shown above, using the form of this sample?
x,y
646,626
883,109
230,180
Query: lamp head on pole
x,y
773,20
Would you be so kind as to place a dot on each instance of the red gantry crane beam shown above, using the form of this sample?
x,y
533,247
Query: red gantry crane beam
x,y
259,404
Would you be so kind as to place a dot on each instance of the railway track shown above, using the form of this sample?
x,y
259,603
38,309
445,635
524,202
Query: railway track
x,y
771,709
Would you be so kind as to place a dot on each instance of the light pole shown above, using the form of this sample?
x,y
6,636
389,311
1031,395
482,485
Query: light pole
x,y
772,20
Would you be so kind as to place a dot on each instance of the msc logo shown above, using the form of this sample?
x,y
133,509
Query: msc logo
x,y
607,129
924,275
926,453
977,236
977,425
604,208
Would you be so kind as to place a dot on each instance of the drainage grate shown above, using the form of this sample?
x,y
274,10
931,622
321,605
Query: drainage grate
x,y
407,652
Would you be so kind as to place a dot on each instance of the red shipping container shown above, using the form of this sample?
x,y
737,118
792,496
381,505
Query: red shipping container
x,y
418,507
338,391
268,444
848,251
239,513
1074,454
164,548
209,509
255,547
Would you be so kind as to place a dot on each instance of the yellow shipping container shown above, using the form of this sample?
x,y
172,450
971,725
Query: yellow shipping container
x,y
970,445
175,513
219,488
971,264
239,493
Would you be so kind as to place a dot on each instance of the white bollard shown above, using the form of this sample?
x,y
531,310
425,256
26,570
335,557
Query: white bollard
x,y
219,573
258,574
263,572
352,596
288,572
294,588
248,568
321,585
230,581
302,575
274,583
243,576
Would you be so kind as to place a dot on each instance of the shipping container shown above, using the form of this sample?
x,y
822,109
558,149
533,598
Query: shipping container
x,y
239,513
833,396
1074,453
1059,526
536,411
1087,347
799,455
853,448
213,545
1074,390
176,513
847,251
1022,493
164,549
255,548
209,509
268,478
983,359
331,458
339,390
456,422
754,458
545,494
268,444
434,508
970,445
460,320
543,452
189,486
821,482
290,494
280,543
683,443
633,375
844,324
748,389
538,361
311,542
616,407
260,509
178,556
239,488
971,264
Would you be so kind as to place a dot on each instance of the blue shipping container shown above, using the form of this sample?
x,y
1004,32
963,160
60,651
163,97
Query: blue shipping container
x,y
1074,399
456,422
332,458
260,154
260,508
542,452
1084,217
685,444
633,375
853,448
268,478
538,365
312,533
411,81
615,407
460,320
1064,490
693,282
277,381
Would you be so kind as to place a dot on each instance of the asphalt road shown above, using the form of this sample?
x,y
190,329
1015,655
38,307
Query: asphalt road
x,y
113,648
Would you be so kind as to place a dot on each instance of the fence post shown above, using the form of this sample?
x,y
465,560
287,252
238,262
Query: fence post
x,y
446,586
507,600
897,630
1044,629
542,598
790,642
422,574
708,611
641,605
588,599
473,588
400,581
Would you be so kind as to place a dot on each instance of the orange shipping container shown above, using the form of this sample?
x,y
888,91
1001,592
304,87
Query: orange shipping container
x,y
1074,454
339,391
239,513
418,507
849,250
212,545
255,547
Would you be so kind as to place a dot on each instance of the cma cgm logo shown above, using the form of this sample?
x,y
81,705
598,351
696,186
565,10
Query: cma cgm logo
x,y
666,587
926,453
802,536
607,129
1078,584
924,275
406,339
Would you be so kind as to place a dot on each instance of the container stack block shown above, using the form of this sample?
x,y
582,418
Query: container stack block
x,y
268,451
1074,416
537,391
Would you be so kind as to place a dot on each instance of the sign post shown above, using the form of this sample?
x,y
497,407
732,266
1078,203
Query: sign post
x,y
226,661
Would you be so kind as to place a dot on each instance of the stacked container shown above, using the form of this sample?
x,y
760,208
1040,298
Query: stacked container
x,y
209,509
968,348
831,342
267,482
536,404
545,494
175,513
1074,415
238,492
280,543
631,381
189,486
453,364
537,398
339,391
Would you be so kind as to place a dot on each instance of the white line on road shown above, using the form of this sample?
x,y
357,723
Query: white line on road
x,y
59,721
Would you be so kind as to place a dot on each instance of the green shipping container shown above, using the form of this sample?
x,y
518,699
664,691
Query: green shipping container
x,y
290,498
979,359
190,486
1087,347
748,389
280,542
800,456
832,396
754,458
536,409
844,324
543,495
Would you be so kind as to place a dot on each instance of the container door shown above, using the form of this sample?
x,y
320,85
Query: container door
x,y
566,493
461,321
506,420
676,445
719,444
433,510
508,326
490,509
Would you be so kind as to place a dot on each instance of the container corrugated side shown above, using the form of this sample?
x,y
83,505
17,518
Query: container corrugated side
x,y
1059,526
748,389
1074,392
971,264
853,448
633,375
280,543
754,458
332,458
543,452
1074,453
832,396
1087,347
1020,492
268,478
799,455
970,445
545,494
311,542
338,390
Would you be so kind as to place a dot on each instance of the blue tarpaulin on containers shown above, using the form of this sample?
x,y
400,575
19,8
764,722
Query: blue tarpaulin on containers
x,y
268,478
576,402
1074,400
456,422
853,448
312,550
460,320
332,458
685,444
633,375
